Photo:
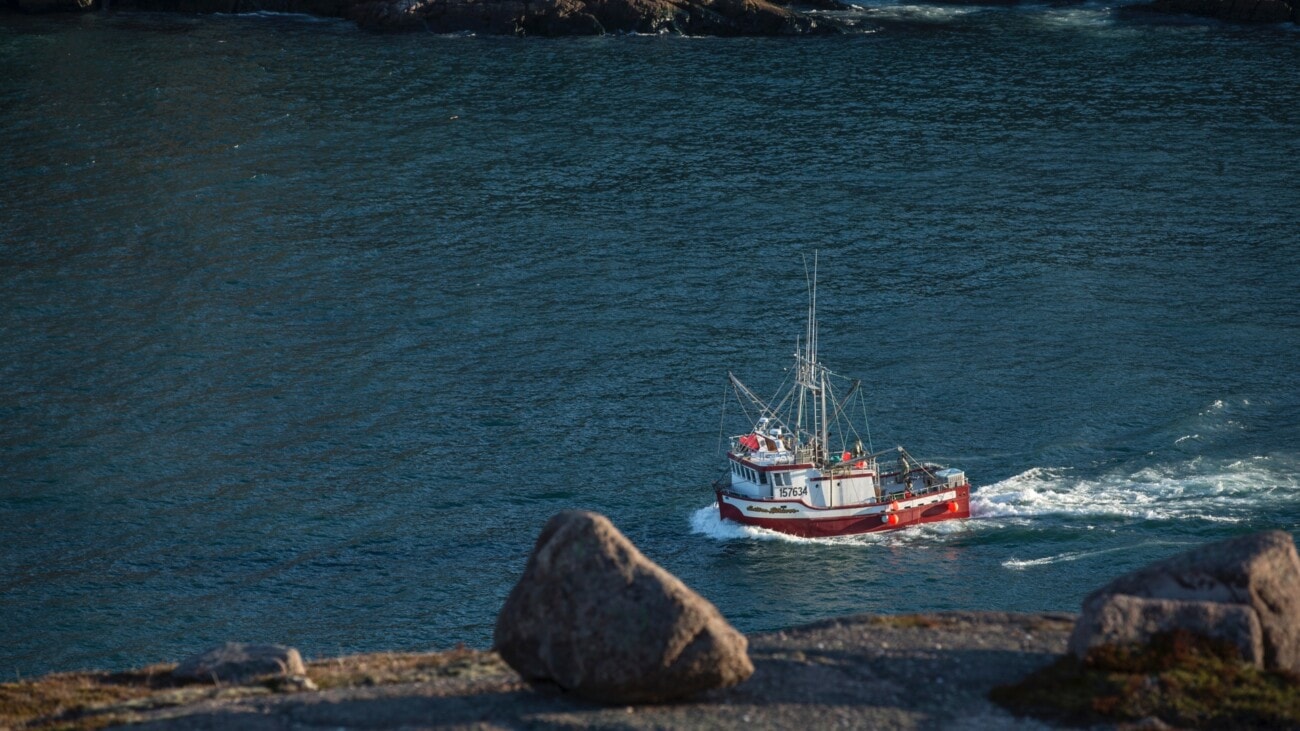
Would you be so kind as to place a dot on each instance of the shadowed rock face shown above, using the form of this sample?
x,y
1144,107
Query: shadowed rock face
x,y
1241,11
595,616
1260,572
1123,619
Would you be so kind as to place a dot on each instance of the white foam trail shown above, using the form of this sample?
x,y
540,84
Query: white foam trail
x,y
707,522
1015,563
1079,18
1193,490
926,13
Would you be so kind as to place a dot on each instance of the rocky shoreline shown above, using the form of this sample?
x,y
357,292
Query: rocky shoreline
x,y
600,17
596,635
887,672
506,17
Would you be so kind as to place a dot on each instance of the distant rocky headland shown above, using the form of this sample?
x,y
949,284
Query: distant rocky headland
x,y
505,17
595,635
598,17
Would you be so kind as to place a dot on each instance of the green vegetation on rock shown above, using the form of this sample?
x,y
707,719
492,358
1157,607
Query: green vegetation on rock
x,y
1180,678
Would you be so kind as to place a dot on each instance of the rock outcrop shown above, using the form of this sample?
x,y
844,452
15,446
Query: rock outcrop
x,y
586,17
49,6
595,616
507,17
1122,619
1240,11
1257,577
237,663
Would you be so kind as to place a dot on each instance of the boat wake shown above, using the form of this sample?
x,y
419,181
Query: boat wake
x,y
917,13
1199,489
1176,478
706,521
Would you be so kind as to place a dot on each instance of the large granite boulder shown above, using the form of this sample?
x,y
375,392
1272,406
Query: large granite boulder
x,y
238,663
1259,572
595,616
1120,619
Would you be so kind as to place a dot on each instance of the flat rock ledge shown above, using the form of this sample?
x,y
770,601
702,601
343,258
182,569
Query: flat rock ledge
x,y
881,672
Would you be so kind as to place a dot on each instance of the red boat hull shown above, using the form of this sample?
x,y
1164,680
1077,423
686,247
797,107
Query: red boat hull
x,y
813,527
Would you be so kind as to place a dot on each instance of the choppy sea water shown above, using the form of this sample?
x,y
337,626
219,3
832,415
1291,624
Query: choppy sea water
x,y
305,332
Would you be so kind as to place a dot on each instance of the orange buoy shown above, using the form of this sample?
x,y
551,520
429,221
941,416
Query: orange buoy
x,y
893,505
952,506
893,520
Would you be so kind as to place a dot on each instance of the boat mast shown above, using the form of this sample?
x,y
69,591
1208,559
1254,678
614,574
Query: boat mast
x,y
812,376
823,417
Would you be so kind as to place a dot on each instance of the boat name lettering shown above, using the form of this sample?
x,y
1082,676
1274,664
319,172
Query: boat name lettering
x,y
778,509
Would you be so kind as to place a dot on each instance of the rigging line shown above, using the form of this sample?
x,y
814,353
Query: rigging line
x,y
853,387
722,421
755,399
866,422
743,409
853,397
777,409
781,407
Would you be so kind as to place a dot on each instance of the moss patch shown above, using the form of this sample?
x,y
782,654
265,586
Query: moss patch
x,y
72,700
389,668
911,621
92,700
1178,677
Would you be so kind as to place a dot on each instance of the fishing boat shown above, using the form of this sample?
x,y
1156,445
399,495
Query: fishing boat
x,y
802,467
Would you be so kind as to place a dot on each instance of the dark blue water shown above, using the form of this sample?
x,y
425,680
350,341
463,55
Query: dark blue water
x,y
305,332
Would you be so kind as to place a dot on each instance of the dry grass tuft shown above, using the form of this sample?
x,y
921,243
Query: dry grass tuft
x,y
88,701
388,668
72,700
911,621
